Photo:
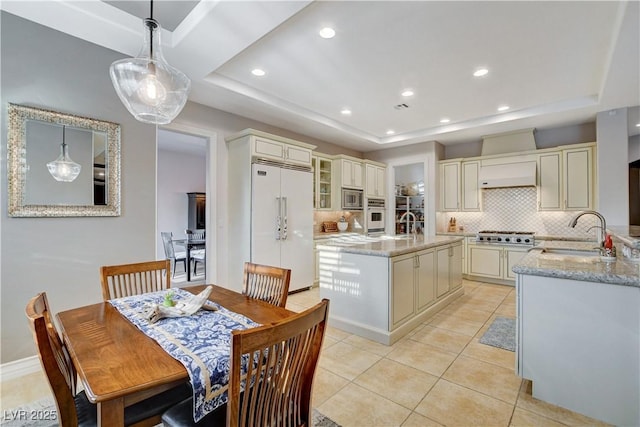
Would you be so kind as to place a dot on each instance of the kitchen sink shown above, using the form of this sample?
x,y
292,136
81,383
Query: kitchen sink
x,y
570,255
574,252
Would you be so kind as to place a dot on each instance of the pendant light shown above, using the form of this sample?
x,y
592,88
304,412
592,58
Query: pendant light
x,y
63,168
151,89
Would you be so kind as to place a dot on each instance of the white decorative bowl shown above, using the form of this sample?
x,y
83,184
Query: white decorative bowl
x,y
342,226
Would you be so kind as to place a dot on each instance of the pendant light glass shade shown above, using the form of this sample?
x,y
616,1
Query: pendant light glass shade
x,y
63,168
151,89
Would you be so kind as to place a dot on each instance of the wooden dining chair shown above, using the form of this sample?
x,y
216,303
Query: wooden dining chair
x,y
270,284
75,409
134,279
198,234
170,252
197,255
285,356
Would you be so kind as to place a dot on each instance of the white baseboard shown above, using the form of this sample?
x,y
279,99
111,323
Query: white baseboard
x,y
19,368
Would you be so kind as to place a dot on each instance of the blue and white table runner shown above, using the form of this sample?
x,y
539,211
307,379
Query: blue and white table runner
x,y
201,342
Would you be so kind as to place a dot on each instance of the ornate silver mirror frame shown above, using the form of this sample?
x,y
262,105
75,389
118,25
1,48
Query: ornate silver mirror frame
x,y
18,164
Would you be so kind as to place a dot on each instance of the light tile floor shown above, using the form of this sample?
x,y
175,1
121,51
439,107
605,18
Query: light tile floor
x,y
437,375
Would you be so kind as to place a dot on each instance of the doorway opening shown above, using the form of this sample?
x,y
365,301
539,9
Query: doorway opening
x,y
183,167
409,206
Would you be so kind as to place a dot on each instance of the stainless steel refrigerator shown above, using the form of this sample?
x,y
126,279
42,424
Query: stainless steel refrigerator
x,y
282,221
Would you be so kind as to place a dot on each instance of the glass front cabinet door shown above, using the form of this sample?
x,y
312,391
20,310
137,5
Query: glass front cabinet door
x,y
322,182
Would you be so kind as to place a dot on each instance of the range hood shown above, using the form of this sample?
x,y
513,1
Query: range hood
x,y
522,174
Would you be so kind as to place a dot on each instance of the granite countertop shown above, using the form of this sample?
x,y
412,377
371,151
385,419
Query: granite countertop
x,y
575,266
535,236
325,235
630,235
387,246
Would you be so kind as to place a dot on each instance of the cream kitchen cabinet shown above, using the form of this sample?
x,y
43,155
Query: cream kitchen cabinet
x,y
280,151
550,181
565,179
414,287
578,178
459,186
494,261
347,172
375,179
322,182
383,297
450,186
402,292
470,186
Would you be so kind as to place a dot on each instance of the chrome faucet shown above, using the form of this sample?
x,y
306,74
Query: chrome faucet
x,y
602,226
404,215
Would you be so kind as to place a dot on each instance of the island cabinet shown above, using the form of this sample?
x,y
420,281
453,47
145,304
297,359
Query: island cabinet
x,y
414,285
579,341
449,268
382,290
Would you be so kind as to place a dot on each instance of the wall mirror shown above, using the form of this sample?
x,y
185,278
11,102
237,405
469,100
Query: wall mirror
x,y
35,138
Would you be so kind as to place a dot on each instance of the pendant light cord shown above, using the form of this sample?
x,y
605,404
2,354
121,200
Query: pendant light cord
x,y
63,136
151,32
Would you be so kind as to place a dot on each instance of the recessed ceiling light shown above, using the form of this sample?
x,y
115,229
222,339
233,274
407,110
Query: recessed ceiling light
x,y
481,72
503,108
445,120
345,112
327,33
258,72
407,92
391,132
638,125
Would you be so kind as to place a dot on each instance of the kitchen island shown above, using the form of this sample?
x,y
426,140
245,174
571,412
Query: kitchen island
x,y
578,332
381,288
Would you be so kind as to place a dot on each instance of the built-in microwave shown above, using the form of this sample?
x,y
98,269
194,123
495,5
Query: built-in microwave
x,y
351,199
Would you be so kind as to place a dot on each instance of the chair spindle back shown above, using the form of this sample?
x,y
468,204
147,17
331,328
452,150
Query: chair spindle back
x,y
134,279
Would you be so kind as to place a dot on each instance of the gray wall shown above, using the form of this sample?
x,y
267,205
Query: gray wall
x,y
62,256
545,138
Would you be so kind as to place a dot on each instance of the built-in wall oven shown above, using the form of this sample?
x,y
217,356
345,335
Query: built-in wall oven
x,y
375,217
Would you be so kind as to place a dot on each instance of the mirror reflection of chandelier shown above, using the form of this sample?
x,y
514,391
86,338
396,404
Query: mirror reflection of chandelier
x,y
63,168
152,90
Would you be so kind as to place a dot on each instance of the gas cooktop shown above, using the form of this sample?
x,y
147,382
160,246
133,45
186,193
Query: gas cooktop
x,y
506,237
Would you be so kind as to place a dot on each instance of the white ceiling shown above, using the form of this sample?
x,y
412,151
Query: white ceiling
x,y
554,63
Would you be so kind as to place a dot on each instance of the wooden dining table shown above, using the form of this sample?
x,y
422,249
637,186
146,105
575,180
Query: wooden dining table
x,y
119,365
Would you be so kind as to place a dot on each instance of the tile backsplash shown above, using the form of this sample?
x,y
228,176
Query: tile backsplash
x,y
354,218
515,209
